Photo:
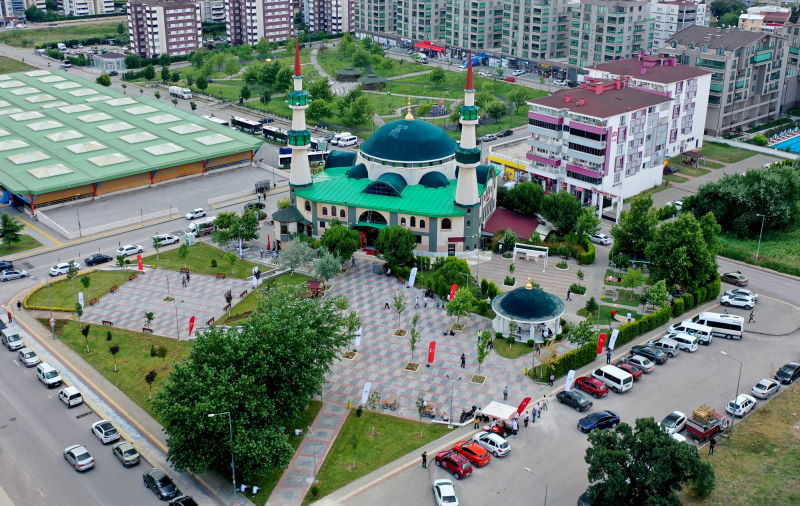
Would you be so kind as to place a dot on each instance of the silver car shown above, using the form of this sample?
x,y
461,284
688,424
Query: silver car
x,y
79,457
13,274
643,363
28,357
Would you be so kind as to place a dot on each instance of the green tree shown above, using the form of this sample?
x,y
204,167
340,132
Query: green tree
x,y
525,198
641,465
114,349
85,329
398,305
149,378
341,241
579,275
447,272
157,95
121,261
721,7
296,254
103,80
679,254
318,110
732,19
78,314
581,334
423,110
230,227
263,48
157,246
183,252
710,229
462,304
10,230
149,73
413,335
266,96
591,306
396,245
244,94
455,114
496,109
633,279
518,96
174,102
174,77
283,80
319,89
120,28
201,83
484,338
149,316
359,111
164,74
657,294
193,106
231,66
360,58
437,77
231,258
588,222
162,352
328,266
562,209
635,228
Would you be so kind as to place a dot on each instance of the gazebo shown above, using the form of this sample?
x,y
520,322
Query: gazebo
x,y
348,74
372,82
525,312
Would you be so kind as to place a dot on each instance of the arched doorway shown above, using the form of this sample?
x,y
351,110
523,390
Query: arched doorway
x,y
369,225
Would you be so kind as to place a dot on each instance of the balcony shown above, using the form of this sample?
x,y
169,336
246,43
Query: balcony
x,y
585,157
543,160
761,58
554,147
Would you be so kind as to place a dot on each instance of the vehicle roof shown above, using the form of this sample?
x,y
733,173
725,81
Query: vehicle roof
x,y
70,390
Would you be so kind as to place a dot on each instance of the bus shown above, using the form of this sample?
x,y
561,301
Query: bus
x,y
246,125
314,158
275,134
216,120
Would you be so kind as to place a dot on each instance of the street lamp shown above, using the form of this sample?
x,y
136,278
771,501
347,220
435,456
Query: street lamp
x,y
738,381
527,469
452,385
758,249
230,431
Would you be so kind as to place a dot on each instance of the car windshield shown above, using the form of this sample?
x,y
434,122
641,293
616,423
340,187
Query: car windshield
x,y
130,452
464,465
581,400
504,445
595,417
734,405
671,420
449,499
51,374
762,386
788,369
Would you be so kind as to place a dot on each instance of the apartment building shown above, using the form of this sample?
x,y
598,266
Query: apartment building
x,y
375,18
170,27
673,16
331,16
248,21
748,71
419,19
474,25
686,86
536,29
212,11
88,7
604,30
765,18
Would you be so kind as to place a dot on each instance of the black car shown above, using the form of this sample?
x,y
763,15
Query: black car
x,y
113,73
160,483
574,400
183,500
6,265
572,84
651,352
598,420
97,258
264,121
254,205
506,133
788,373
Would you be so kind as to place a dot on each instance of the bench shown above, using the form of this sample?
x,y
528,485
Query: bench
x,y
107,323
241,295
132,277
227,307
184,270
220,276
146,330
93,301
113,289
209,321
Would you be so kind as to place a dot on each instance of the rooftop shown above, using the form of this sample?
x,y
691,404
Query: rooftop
x,y
111,56
611,102
728,39
651,68
59,131
528,304
506,218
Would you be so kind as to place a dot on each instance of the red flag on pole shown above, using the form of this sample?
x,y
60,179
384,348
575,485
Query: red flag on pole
x,y
601,342
191,325
523,405
453,291
139,260
268,243
431,351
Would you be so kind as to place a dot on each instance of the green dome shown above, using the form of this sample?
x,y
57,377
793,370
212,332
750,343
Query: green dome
x,y
528,305
409,141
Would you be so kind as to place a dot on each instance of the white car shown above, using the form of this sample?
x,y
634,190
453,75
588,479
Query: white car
x,y
28,357
483,74
13,274
195,213
741,292
737,301
643,363
741,405
63,268
517,72
560,82
494,443
445,493
105,431
673,422
166,239
765,387
678,204
679,437
129,249
462,68
600,239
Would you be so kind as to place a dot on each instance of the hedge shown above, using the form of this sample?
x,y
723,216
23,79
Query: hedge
x,y
587,258
574,359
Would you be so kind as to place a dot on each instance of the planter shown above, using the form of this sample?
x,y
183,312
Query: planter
x,y
400,332
411,366
480,380
169,299
562,265
350,355
457,327
509,281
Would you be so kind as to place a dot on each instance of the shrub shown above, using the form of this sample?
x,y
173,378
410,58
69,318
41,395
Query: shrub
x,y
492,291
482,307
484,286
108,335
576,288
760,140
498,335
688,301
509,281
359,411
152,350
666,212
562,265
677,307
214,262
531,343
314,490
423,262
574,359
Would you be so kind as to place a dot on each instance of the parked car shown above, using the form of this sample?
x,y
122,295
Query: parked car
x,y
11,340
494,443
673,422
598,420
105,431
265,120
506,133
129,249
741,405
445,493
166,239
28,357
742,292
574,399
654,354
737,301
735,278
11,274
510,79
195,213
489,137
593,386
161,484
573,84
678,204
665,344
600,239
78,457
453,462
764,388
789,373
62,268
475,453
70,396
643,363
48,375
184,500
6,264
518,72
126,453
560,82
630,369
113,73
255,205
481,73
96,259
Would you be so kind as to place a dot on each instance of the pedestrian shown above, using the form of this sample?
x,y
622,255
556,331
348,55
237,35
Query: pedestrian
x,y
751,320
544,402
424,460
491,343
476,423
386,304
505,393
183,281
425,299
353,261
630,316
526,419
569,293
416,302
711,445
243,488
261,253
256,488
608,356
8,313
538,348
610,328
552,379
538,410
514,426
188,277
19,305
463,361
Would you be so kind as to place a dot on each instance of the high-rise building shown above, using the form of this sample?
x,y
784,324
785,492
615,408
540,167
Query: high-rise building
x,y
159,27
472,25
212,11
672,16
88,7
604,30
374,17
419,19
248,21
331,16
536,30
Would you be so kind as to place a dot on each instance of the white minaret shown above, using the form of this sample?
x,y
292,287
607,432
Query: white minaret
x,y
299,135
468,155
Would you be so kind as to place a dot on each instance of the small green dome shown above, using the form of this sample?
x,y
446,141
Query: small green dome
x,y
409,141
528,304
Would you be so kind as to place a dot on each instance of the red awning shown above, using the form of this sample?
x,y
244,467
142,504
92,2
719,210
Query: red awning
x,y
427,45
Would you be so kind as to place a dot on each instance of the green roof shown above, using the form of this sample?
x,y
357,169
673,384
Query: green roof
x,y
332,186
60,131
409,141
528,304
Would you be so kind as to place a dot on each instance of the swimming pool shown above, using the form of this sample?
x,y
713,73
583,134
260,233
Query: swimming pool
x,y
792,145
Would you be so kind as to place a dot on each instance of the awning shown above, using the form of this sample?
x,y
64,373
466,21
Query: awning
x,y
379,226
427,45
499,410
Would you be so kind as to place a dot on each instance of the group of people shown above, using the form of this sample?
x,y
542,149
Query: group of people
x,y
511,426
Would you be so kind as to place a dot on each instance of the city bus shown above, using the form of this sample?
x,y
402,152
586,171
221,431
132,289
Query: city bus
x,y
216,120
246,125
314,158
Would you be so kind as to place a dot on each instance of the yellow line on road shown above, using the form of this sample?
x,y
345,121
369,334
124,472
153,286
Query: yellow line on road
x,y
59,243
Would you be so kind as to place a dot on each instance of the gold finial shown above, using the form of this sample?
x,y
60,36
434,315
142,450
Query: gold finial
x,y
529,284
409,116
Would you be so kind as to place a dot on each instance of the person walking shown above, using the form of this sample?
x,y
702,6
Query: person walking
x,y
751,320
386,304
544,402
505,393
425,302
538,410
10,320
608,355
569,293
526,419
188,277
416,302
353,261
514,426
19,305
424,460
476,423
711,445
463,361
552,379
630,316
183,281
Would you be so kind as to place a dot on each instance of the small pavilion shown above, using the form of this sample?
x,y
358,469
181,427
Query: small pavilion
x,y
525,312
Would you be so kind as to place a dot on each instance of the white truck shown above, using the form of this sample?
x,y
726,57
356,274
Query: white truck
x,y
177,91
202,227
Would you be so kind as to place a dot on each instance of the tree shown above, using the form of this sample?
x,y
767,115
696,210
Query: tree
x,y
588,223
103,80
201,83
581,334
518,96
231,66
641,465
438,76
124,87
183,252
591,306
721,7
34,14
157,95
328,265
562,209
635,229
496,109
525,198
633,279
78,314
9,230
484,338
263,48
120,28
294,255
484,97
396,245
244,94
72,273
149,316
579,275
231,259
283,80
231,227
358,111
360,58
373,406
133,61
413,335
679,254
424,110
319,89
161,352
164,74
86,281
287,346
174,102
121,261
265,97
758,140
398,305
461,304
174,77
732,19
164,59
149,73
193,106
85,331
189,79
114,350
149,379
318,110
455,115
657,294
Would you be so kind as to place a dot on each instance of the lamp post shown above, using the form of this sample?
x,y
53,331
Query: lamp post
x,y
758,248
528,470
452,385
738,381
230,432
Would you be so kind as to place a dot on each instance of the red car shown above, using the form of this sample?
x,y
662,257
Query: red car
x,y
631,369
593,386
474,452
455,463
510,79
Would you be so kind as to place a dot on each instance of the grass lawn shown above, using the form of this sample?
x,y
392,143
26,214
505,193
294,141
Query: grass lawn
x,y
672,178
605,315
331,60
30,38
712,165
25,243
766,449
395,438
725,153
243,308
626,298
516,350
9,65
779,250
64,296
133,360
199,261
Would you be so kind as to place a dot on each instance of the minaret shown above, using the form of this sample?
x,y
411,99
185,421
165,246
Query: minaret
x,y
468,155
299,135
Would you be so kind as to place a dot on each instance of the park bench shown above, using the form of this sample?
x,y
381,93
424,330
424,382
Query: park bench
x,y
132,277
184,270
390,403
146,330
107,323
241,295
220,276
209,321
113,289
93,301
227,307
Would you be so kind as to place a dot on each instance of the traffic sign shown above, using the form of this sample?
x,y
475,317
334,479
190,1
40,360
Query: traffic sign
x,y
52,322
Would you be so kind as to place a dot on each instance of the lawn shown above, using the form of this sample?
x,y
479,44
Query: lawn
x,y
64,291
332,60
765,449
725,153
605,315
199,261
780,250
626,298
31,38
245,306
9,65
354,445
711,165
25,243
133,360
672,178
515,350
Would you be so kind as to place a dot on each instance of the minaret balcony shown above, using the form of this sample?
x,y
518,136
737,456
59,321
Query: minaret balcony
x,y
299,137
469,112
298,98
468,156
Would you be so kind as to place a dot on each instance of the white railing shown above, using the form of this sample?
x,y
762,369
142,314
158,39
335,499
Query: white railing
x,y
169,214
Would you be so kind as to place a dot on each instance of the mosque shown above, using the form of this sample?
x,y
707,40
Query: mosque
x,y
408,173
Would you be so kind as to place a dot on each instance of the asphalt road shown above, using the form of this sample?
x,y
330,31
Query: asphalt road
x,y
554,449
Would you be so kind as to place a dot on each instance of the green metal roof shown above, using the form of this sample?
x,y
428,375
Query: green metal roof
x,y
60,131
409,141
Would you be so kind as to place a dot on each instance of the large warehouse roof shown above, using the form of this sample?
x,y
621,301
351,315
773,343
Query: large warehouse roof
x,y
59,131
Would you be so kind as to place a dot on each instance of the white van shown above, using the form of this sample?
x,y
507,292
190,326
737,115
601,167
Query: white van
x,y
352,140
48,375
11,340
70,396
61,46
729,326
686,342
615,378
703,333
336,138
667,345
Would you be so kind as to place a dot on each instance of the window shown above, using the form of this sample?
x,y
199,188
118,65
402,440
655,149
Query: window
x,y
333,210
341,213
308,205
402,222
421,223
413,221
446,224
321,224
324,211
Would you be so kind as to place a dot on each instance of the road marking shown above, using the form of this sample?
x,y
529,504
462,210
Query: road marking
x,y
59,243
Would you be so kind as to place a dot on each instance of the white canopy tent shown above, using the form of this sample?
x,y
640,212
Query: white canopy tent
x,y
499,410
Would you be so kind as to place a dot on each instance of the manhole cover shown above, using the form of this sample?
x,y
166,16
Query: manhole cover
x,y
85,414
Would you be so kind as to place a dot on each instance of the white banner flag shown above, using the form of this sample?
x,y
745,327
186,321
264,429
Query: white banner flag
x,y
570,380
80,299
412,277
613,339
365,393
357,340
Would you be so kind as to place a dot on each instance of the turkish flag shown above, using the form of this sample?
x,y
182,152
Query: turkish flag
x,y
139,260
601,341
363,236
269,245
453,291
523,405
431,351
191,325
